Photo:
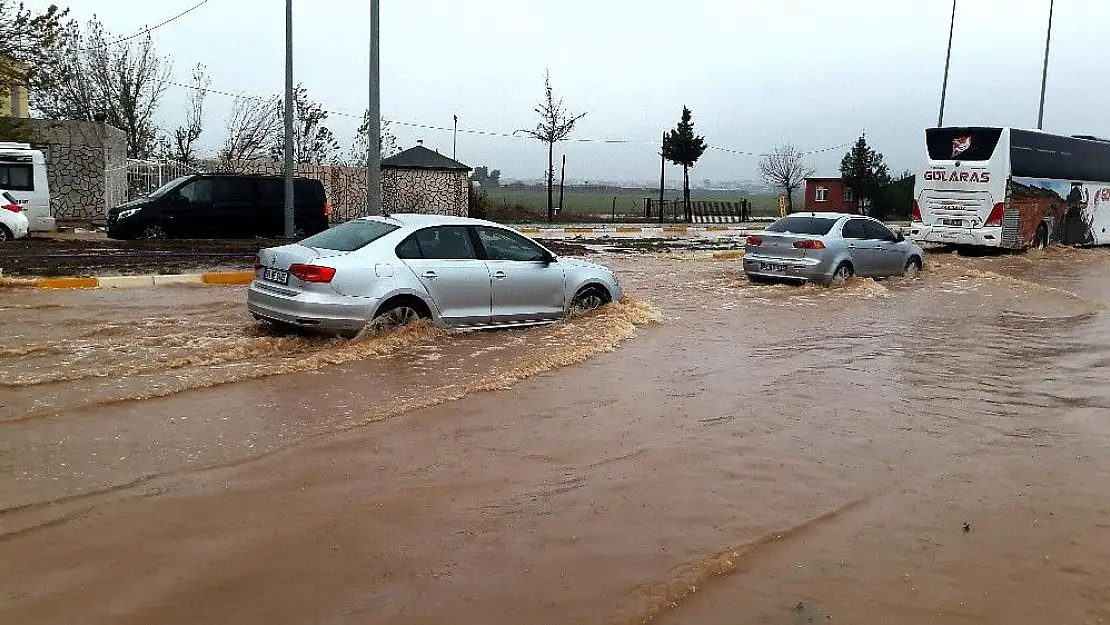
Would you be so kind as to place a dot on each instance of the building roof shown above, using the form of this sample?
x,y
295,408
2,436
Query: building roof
x,y
420,157
825,178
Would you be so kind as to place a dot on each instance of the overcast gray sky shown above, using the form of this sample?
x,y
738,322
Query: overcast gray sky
x,y
756,73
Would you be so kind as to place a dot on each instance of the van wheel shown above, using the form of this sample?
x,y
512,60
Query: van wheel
x,y
154,231
5,234
1040,240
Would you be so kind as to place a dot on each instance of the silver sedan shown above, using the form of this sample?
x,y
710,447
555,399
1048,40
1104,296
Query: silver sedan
x,y
452,271
828,247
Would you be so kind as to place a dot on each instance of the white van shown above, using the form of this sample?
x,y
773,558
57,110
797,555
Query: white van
x,y
23,175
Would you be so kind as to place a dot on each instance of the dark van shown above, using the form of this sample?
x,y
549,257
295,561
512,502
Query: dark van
x,y
214,206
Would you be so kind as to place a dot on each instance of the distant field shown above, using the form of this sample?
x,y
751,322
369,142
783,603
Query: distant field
x,y
629,203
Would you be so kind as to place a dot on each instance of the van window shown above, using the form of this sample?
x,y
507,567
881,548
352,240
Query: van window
x,y
16,177
198,191
234,190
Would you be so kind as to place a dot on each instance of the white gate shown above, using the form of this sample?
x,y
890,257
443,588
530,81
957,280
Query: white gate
x,y
143,177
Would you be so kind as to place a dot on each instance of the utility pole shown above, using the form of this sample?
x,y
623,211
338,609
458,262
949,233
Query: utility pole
x,y
662,173
1044,74
562,181
290,223
947,64
455,140
374,123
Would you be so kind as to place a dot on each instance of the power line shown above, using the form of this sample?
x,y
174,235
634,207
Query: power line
x,y
157,26
489,133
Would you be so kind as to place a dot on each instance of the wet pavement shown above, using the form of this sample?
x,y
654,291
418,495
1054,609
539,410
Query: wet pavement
x,y
707,451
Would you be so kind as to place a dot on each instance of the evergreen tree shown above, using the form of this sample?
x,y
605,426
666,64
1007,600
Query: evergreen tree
x,y
865,173
682,147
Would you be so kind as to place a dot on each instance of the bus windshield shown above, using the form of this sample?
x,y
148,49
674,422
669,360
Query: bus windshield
x,y
962,144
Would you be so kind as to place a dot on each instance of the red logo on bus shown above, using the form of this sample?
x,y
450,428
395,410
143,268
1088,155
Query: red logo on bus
x,y
960,145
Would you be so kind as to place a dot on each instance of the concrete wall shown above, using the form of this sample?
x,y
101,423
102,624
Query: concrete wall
x,y
86,163
409,190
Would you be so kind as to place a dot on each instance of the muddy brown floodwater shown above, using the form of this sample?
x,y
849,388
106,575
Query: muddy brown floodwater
x,y
706,451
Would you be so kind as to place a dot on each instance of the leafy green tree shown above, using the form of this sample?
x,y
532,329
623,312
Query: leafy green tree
x,y
865,173
96,77
682,146
555,125
313,142
483,176
30,44
360,151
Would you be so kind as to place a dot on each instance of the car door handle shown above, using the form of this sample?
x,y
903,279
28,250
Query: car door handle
x,y
499,275
431,275
851,246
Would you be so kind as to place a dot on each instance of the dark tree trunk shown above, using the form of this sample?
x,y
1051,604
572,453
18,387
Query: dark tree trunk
x,y
550,182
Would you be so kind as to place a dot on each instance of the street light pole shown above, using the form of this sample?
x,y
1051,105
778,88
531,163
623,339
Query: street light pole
x,y
374,121
1044,74
290,225
947,64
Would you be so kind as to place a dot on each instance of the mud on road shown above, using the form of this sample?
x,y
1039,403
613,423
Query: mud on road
x,y
707,451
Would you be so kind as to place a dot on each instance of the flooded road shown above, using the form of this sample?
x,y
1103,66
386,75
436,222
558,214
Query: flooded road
x,y
708,451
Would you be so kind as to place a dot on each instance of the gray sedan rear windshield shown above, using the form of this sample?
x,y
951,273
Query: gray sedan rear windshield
x,y
350,236
816,226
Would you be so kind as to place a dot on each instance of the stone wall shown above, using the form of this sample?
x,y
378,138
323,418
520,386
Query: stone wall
x,y
86,163
409,190
437,192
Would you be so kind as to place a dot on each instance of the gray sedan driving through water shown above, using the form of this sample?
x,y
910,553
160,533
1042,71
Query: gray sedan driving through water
x,y
452,271
829,247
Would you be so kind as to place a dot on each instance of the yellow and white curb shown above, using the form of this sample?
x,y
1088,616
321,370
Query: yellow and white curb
x,y
215,278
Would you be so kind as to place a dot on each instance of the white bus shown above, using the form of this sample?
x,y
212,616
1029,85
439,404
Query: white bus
x,y
1012,188
23,175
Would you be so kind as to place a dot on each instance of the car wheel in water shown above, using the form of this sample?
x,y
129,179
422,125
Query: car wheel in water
x,y
589,298
154,231
398,315
843,272
1040,240
913,268
5,234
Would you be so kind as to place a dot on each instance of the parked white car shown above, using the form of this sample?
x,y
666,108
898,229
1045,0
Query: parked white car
x,y
23,175
13,223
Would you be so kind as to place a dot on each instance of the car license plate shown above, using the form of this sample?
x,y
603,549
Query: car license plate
x,y
772,267
271,274
958,223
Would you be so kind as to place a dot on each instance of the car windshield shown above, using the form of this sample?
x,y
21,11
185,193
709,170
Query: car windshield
x,y
350,236
815,226
160,191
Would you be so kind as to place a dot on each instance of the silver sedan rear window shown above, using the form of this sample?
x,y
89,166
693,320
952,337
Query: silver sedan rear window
x,y
797,224
350,236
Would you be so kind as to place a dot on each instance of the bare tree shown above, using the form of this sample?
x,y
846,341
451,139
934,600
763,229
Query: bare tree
x,y
785,169
555,125
252,129
183,148
95,78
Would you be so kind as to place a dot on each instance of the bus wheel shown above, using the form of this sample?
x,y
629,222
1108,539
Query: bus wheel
x,y
1040,241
